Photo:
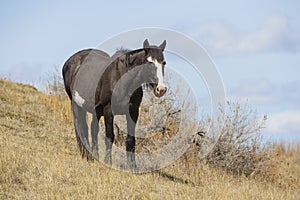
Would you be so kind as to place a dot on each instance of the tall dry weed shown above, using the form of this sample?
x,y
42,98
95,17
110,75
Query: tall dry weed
x,y
55,97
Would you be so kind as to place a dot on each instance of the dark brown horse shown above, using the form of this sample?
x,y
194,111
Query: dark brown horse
x,y
108,86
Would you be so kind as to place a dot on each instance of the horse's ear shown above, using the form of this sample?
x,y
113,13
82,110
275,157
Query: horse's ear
x,y
146,44
163,45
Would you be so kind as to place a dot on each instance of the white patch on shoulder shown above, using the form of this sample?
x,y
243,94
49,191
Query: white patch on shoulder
x,y
78,99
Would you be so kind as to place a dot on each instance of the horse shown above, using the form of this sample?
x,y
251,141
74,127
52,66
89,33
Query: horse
x,y
108,86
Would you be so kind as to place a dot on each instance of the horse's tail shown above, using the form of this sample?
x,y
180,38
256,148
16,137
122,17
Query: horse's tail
x,y
81,131
80,145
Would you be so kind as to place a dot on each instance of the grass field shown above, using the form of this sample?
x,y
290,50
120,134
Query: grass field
x,y
39,159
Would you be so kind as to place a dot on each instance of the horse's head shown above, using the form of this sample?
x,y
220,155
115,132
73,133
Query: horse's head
x,y
154,55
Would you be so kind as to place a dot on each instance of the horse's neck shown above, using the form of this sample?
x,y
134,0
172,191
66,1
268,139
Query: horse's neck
x,y
137,59
137,63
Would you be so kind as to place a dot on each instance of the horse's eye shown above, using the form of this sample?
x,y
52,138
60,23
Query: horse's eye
x,y
164,62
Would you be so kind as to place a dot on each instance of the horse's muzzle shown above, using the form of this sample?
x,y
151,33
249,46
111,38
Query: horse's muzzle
x,y
160,90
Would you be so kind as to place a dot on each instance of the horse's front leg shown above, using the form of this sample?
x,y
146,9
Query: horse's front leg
x,y
109,133
130,140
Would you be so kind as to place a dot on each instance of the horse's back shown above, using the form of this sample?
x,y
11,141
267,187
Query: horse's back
x,y
81,73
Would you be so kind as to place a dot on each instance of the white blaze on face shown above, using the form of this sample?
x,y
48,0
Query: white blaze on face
x,y
159,71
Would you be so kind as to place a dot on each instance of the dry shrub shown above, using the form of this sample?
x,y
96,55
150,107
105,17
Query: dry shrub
x,y
239,148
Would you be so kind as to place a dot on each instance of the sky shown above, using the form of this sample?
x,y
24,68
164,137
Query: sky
x,y
254,44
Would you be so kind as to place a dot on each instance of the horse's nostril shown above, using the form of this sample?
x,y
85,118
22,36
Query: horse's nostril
x,y
161,90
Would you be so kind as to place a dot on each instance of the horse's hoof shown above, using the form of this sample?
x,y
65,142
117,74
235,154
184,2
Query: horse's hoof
x,y
107,161
95,154
132,167
89,157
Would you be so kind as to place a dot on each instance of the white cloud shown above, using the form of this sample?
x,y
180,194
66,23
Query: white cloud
x,y
286,122
265,93
279,102
275,35
255,92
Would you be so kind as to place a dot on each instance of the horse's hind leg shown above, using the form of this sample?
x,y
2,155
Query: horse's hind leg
x,y
109,133
81,130
95,130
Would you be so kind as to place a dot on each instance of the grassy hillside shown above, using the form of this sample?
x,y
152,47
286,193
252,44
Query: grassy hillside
x,y
39,160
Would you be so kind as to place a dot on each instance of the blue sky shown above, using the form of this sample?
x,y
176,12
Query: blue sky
x,y
255,44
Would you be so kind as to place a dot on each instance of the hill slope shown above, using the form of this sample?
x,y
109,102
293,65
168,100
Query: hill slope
x,y
39,160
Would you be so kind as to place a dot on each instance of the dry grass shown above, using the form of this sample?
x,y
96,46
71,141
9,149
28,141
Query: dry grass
x,y
39,160
56,99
